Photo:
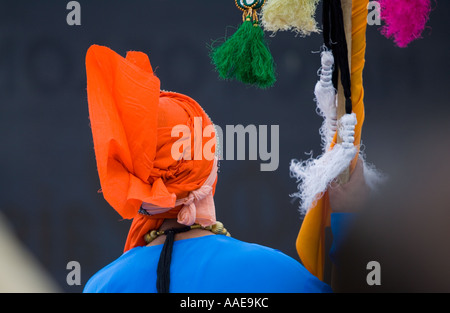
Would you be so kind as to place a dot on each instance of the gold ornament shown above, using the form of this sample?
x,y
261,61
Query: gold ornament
x,y
217,229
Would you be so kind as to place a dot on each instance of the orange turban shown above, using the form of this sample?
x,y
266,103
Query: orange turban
x,y
132,123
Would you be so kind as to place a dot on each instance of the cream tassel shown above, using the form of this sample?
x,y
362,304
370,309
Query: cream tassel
x,y
290,15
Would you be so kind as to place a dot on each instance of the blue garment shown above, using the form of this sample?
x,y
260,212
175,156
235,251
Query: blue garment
x,y
340,224
209,264
213,264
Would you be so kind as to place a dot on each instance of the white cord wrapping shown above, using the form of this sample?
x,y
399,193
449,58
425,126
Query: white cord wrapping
x,y
325,94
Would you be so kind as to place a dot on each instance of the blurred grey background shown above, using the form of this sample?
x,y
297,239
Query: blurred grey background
x,y
48,175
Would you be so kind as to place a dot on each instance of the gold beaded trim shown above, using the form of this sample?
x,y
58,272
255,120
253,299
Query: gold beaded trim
x,y
217,229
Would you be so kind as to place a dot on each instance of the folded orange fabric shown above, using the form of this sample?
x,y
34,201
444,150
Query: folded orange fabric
x,y
132,122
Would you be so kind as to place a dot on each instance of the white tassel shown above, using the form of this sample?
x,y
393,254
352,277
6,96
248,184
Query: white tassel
x,y
373,177
326,99
315,175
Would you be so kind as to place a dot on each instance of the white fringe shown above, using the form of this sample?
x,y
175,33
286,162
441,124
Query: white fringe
x,y
315,175
373,177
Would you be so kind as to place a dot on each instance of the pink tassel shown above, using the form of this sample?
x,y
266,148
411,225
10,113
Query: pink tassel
x,y
404,19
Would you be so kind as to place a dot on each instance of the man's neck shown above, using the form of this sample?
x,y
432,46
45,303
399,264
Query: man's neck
x,y
172,223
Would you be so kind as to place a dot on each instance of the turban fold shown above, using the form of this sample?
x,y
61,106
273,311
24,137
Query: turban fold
x,y
132,124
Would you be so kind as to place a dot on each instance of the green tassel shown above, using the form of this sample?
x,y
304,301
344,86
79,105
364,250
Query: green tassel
x,y
245,56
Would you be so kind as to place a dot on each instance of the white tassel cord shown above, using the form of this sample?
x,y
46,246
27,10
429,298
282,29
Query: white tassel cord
x,y
325,94
315,175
